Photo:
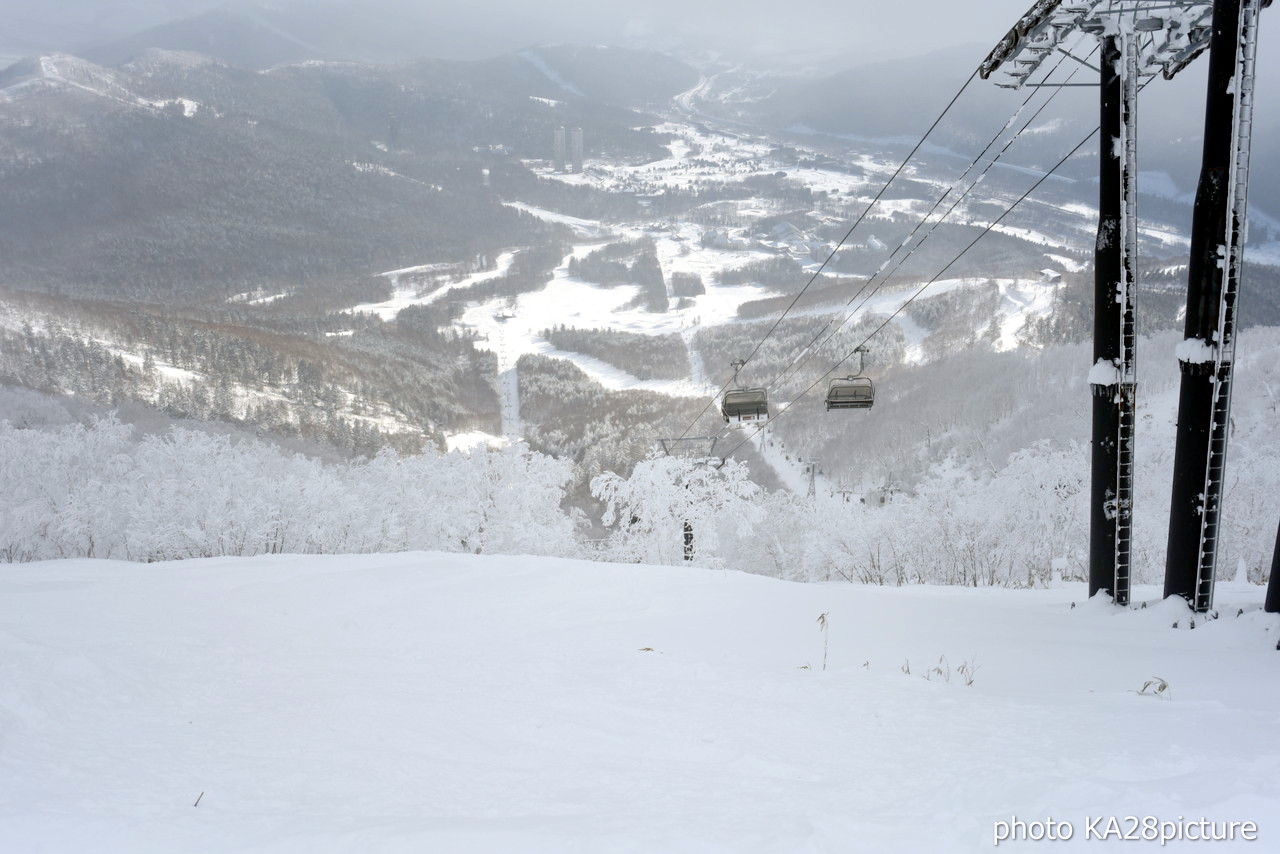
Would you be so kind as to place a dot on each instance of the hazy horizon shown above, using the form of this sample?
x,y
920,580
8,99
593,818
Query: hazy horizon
x,y
862,30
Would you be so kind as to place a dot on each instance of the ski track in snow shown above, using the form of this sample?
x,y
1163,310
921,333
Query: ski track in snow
x,y
789,471
1071,265
428,702
575,303
60,69
914,335
696,365
583,227
508,386
1020,303
405,296
579,304
550,73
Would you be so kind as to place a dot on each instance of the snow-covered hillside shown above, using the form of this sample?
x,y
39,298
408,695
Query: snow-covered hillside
x,y
428,702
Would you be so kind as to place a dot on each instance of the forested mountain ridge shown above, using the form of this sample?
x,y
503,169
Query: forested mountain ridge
x,y
260,35
181,231
186,179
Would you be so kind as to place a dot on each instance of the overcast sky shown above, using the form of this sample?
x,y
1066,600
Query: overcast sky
x,y
837,33
879,27
874,29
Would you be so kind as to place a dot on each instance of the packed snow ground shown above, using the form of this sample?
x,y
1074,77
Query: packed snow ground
x,y
428,702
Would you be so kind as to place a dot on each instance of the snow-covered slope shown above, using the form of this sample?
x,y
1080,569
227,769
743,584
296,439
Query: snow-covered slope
x,y
426,702
60,71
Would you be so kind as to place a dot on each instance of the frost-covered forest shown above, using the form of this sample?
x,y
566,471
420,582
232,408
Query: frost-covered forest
x,y
947,493
97,490
644,356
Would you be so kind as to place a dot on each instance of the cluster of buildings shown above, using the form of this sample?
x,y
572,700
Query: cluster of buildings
x,y
783,238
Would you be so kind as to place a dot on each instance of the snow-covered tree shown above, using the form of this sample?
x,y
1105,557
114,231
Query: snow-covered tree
x,y
650,509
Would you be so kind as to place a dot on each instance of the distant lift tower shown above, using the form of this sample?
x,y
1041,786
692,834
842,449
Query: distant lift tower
x,y
1138,41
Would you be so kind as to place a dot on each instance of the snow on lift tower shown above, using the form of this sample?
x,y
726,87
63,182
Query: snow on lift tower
x,y
1138,41
742,407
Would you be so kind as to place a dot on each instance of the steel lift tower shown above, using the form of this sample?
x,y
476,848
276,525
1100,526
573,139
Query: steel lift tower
x,y
1272,604
1218,234
1138,41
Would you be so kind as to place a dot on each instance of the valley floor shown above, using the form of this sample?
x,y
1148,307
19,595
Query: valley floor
x,y
430,702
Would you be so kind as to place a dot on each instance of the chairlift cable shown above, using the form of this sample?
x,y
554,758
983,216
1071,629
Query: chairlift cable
x,y
987,230
879,194
801,358
809,349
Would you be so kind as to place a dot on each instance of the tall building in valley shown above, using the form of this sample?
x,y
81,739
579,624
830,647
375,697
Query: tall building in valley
x,y
559,149
575,150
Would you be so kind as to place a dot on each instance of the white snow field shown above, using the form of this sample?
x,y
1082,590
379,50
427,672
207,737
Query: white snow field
x,y
443,703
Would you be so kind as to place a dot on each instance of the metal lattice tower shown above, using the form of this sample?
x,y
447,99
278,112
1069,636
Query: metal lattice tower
x,y
812,469
1139,41
1127,370
1207,356
1236,233
1169,35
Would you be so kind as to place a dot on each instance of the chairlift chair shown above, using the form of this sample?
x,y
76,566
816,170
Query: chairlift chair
x,y
745,406
850,393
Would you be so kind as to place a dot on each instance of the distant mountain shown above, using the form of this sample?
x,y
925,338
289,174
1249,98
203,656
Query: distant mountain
x,y
261,35
234,37
181,174
897,97
65,24
265,37
896,100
